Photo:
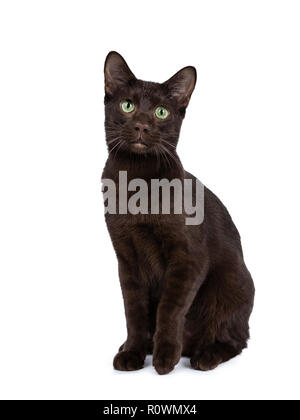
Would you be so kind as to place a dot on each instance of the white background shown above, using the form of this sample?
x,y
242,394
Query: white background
x,y
61,310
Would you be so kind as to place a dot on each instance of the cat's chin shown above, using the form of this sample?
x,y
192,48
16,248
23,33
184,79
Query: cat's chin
x,y
139,147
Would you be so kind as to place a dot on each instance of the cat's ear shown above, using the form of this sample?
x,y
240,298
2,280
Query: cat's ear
x,y
116,72
182,84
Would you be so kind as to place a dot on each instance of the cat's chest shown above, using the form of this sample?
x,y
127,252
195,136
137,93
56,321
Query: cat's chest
x,y
143,243
151,255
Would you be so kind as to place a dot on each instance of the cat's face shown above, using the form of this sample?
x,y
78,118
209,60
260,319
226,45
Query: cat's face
x,y
144,117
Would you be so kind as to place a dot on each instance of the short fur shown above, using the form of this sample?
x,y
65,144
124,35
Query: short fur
x,y
186,289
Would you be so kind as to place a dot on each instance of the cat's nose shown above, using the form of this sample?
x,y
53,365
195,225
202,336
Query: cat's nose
x,y
141,127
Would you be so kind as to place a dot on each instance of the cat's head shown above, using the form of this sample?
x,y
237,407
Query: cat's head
x,y
144,117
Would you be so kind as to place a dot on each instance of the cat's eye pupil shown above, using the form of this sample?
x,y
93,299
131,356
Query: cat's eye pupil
x,y
161,112
127,106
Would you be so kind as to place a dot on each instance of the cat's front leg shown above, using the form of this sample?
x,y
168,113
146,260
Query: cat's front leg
x,y
132,353
183,279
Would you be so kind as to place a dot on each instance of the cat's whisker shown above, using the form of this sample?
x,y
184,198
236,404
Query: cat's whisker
x,y
165,157
157,154
113,140
115,146
169,152
172,156
170,144
120,145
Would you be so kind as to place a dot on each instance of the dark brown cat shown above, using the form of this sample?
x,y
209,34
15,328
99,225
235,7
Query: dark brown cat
x,y
186,288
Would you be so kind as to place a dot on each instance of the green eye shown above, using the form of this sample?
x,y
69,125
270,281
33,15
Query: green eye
x,y
127,106
161,112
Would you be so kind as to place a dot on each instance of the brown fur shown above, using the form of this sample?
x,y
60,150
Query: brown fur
x,y
186,289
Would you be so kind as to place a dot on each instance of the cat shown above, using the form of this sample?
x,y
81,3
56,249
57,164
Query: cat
x,y
186,289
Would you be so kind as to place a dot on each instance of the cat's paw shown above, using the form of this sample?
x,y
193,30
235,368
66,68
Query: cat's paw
x,y
165,357
128,360
206,360
211,356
